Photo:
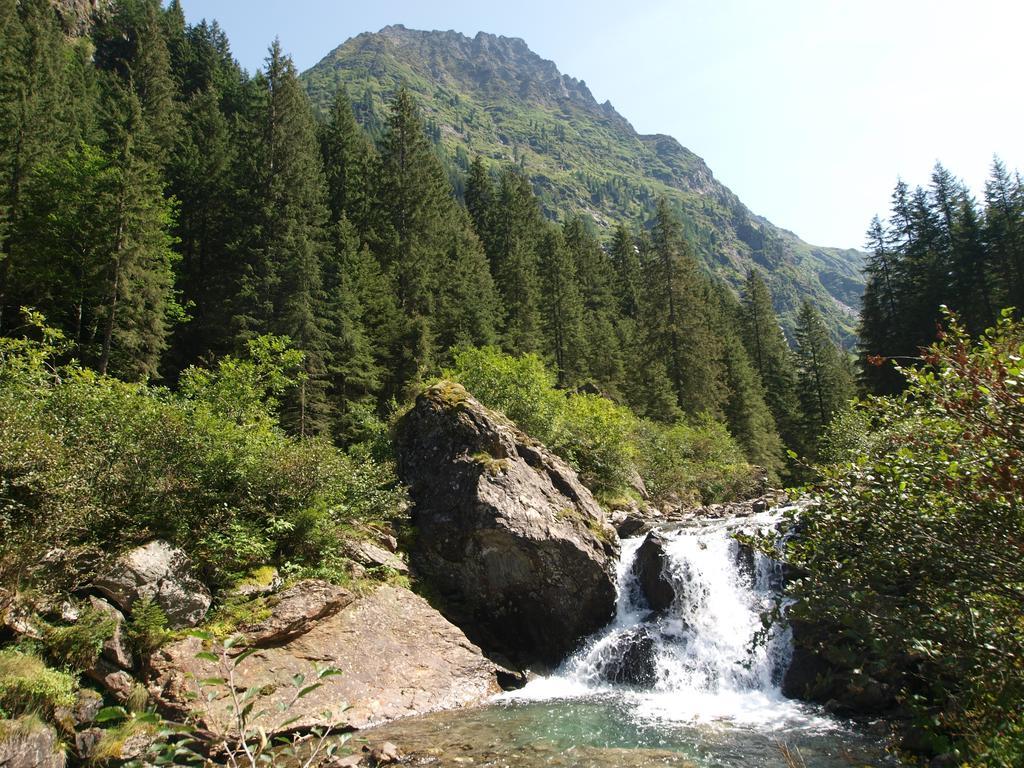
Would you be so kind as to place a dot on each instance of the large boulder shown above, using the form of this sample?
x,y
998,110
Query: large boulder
x,y
397,656
632,659
517,547
649,570
27,742
161,573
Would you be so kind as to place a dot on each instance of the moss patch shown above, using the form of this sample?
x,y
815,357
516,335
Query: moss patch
x,y
28,685
490,464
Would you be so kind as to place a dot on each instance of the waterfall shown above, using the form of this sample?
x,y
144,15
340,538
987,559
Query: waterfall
x,y
699,659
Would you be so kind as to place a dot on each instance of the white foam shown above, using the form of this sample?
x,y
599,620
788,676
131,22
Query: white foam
x,y
707,667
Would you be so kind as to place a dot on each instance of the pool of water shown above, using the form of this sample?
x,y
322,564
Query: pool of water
x,y
611,730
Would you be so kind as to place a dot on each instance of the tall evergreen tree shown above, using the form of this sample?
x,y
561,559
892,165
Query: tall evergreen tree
x,y
284,235
561,308
823,379
677,322
772,359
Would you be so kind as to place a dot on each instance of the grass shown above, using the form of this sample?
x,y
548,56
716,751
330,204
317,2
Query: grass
x,y
111,746
27,685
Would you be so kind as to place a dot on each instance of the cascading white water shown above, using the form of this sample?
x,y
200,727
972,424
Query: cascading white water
x,y
697,660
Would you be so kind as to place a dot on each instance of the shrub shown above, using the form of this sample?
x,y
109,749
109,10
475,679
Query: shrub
x,y
28,685
913,557
146,628
78,646
520,387
597,437
699,462
209,469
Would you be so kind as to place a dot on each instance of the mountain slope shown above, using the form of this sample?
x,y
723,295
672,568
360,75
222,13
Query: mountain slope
x,y
492,96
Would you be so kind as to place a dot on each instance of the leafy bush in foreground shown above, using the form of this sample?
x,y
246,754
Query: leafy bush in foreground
x,y
90,465
915,556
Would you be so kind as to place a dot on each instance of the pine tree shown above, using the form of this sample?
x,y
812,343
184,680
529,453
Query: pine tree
x,y
347,158
625,258
772,359
32,105
280,289
596,276
517,227
561,309
677,325
824,381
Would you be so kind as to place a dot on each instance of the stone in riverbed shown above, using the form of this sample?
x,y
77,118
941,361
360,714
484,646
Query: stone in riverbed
x,y
517,547
296,611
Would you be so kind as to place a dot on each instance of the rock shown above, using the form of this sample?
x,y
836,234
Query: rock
x,y
632,660
87,705
260,582
114,680
397,657
385,754
637,483
296,610
115,648
86,741
945,760
517,547
649,569
27,742
370,555
161,573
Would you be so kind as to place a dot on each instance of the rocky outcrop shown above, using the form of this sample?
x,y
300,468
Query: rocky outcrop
x,y
116,649
296,610
633,659
397,656
161,573
518,549
649,570
29,743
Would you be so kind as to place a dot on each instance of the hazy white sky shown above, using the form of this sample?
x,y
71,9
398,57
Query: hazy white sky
x,y
808,109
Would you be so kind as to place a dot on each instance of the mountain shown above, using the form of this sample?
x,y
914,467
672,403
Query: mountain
x,y
492,96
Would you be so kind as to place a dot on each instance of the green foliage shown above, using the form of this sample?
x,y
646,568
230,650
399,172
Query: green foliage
x,y
699,462
912,555
604,441
28,685
597,437
146,627
208,469
520,387
77,646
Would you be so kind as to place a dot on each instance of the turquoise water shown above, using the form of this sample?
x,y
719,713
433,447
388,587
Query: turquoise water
x,y
605,731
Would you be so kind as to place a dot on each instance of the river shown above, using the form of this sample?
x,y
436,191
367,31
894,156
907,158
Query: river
x,y
688,686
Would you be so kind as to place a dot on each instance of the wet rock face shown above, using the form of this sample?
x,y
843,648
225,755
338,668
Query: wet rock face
x,y
649,569
518,548
632,660
161,573
397,657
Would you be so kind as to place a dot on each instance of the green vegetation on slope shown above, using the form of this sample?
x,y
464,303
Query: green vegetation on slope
x,y
492,97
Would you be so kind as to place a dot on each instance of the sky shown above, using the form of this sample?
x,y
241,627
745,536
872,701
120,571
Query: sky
x,y
809,110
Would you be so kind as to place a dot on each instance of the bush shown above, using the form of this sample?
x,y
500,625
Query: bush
x,y
914,555
78,645
699,463
520,387
89,464
146,628
27,685
597,437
